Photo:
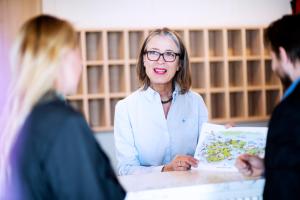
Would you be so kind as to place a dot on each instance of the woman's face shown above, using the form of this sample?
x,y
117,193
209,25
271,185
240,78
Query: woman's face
x,y
70,73
161,70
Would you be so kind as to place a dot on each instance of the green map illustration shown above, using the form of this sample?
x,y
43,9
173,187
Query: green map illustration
x,y
220,148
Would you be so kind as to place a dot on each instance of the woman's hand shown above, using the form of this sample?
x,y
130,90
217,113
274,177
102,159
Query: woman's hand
x,y
229,125
250,165
181,163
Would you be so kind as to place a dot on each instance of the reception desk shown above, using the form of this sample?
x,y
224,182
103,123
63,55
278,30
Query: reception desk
x,y
194,184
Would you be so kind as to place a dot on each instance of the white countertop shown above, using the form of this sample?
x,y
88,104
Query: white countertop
x,y
194,184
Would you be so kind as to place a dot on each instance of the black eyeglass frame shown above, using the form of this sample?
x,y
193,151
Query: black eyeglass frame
x,y
162,54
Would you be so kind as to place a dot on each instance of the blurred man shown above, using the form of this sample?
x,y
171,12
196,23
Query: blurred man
x,y
281,166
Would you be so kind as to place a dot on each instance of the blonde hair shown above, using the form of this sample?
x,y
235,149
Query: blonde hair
x,y
36,55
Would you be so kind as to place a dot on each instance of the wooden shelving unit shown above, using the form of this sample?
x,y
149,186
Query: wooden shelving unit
x,y
231,69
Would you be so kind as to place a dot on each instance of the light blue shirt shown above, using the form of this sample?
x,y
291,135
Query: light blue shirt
x,y
291,88
145,140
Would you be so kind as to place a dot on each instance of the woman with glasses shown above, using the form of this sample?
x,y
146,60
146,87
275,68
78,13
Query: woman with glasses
x,y
157,126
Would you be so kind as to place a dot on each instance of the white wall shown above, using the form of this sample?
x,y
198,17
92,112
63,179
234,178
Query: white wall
x,y
161,13
171,13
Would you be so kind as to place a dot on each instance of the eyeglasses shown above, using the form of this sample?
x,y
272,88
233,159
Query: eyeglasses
x,y
168,56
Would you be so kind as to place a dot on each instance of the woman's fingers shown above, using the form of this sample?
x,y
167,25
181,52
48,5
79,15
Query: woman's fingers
x,y
181,163
183,168
192,161
229,125
185,162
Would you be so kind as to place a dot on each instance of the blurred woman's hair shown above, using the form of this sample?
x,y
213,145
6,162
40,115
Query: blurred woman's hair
x,y
182,76
36,54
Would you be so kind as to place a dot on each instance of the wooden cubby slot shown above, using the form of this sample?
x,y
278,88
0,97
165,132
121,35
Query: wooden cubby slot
x,y
270,77
116,78
136,39
234,43
254,73
196,41
237,105
115,45
134,81
253,46
96,113
215,41
272,99
198,75
94,48
255,103
267,51
113,102
180,33
77,105
217,74
235,73
218,110
95,79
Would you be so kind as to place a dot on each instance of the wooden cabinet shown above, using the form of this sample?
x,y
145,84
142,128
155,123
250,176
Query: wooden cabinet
x,y
231,69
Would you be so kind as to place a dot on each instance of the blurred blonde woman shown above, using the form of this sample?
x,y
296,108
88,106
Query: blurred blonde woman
x,y
47,149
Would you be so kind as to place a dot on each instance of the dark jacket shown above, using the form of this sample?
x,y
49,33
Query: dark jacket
x,y
57,157
282,159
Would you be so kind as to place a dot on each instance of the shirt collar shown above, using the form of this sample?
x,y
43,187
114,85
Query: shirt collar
x,y
176,91
151,93
291,88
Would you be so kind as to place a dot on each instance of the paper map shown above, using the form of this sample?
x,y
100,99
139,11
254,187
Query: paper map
x,y
218,147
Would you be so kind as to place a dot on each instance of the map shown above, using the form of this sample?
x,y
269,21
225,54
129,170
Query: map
x,y
218,147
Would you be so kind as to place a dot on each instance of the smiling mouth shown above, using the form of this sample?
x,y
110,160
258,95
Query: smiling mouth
x,y
160,70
